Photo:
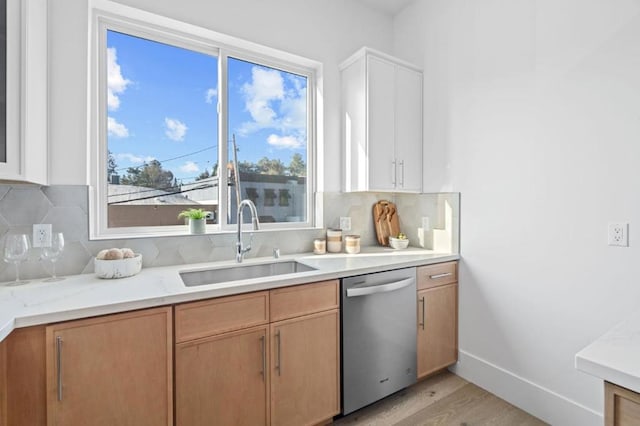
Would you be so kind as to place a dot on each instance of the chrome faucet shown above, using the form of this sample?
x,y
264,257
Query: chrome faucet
x,y
240,250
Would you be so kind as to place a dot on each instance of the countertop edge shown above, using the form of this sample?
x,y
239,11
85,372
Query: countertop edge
x,y
613,357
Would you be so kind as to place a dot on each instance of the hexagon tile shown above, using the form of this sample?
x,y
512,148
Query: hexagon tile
x,y
66,208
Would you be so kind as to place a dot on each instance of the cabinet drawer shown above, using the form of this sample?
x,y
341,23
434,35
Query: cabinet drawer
x,y
304,299
201,319
437,275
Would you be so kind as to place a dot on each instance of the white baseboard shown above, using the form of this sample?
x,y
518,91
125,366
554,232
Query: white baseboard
x,y
543,403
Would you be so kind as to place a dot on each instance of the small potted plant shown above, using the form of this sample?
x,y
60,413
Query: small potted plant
x,y
197,220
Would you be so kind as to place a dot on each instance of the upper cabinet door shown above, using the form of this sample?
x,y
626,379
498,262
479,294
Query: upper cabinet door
x,y
408,103
381,123
23,97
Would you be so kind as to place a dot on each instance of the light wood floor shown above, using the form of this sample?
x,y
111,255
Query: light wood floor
x,y
444,399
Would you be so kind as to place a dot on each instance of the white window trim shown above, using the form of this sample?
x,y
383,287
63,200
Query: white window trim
x,y
105,14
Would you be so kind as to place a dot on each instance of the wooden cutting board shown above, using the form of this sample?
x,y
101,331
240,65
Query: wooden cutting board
x,y
385,220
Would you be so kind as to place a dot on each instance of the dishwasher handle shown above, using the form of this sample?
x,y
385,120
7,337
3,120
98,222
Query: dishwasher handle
x,y
379,288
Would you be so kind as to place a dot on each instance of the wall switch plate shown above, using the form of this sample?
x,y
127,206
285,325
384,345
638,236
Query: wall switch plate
x,y
618,234
345,223
42,235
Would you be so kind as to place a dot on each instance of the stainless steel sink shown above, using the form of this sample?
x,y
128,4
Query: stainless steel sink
x,y
242,272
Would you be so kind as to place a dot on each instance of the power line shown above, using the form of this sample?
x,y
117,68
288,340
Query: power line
x,y
162,195
170,159
152,189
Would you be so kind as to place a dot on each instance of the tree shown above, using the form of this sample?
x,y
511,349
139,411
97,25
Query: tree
x,y
152,175
203,175
111,165
271,167
297,166
247,167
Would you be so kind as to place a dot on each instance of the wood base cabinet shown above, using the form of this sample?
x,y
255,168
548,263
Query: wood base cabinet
x,y
23,378
111,370
621,406
224,378
3,383
437,317
304,376
262,358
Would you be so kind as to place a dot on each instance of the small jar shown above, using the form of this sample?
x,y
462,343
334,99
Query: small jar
x,y
334,240
319,246
352,244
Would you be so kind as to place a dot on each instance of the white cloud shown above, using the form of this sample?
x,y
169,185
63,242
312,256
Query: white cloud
x,y
116,83
132,158
210,94
189,167
289,142
266,87
175,129
116,129
274,106
294,110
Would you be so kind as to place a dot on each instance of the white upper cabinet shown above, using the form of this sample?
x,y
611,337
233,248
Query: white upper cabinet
x,y
381,123
23,144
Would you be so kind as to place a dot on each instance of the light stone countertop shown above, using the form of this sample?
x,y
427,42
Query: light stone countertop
x,y
82,296
615,356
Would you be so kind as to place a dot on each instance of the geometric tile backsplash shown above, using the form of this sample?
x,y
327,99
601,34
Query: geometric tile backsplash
x,y
66,208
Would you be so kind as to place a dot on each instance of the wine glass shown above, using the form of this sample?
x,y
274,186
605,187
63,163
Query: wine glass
x,y
16,250
52,254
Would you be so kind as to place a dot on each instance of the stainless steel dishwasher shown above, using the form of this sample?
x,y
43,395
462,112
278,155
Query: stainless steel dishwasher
x,y
378,336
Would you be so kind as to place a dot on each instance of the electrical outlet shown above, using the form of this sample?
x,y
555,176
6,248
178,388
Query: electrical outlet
x,y
345,223
426,223
42,235
618,234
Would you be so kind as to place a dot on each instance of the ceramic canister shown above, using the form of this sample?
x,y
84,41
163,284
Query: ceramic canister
x,y
319,246
352,244
334,240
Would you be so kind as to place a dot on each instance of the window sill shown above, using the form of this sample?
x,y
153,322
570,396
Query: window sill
x,y
183,231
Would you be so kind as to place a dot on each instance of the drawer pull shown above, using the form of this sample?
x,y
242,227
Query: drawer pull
x,y
59,365
264,358
393,173
436,276
278,365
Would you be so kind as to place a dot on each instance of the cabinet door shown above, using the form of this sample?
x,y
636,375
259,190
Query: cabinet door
x,y
437,328
112,370
381,125
621,406
24,148
25,381
3,383
222,379
305,382
408,129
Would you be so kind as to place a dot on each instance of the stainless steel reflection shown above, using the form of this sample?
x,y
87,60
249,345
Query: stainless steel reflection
x,y
244,272
378,336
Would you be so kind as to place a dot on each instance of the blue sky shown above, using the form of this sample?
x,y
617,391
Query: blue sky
x,y
162,105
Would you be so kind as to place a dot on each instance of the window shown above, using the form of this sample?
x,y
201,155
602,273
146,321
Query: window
x,y
162,131
268,119
165,94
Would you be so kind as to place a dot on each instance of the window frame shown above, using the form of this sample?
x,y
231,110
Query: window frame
x,y
106,15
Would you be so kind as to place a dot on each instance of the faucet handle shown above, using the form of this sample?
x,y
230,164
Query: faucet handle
x,y
276,253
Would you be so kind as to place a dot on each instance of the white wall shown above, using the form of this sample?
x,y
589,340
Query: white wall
x,y
532,112
327,31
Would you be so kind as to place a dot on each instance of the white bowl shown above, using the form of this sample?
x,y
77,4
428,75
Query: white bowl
x,y
398,244
119,268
